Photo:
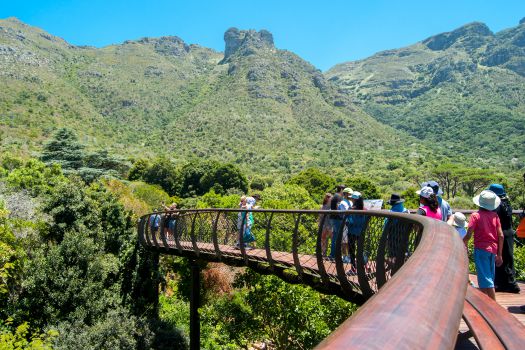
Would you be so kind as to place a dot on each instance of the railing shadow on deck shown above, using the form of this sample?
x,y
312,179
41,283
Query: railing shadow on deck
x,y
410,272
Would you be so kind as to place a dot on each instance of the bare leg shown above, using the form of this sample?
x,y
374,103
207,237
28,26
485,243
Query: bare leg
x,y
490,292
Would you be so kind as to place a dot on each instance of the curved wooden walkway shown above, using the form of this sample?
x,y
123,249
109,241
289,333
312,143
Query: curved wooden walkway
x,y
410,273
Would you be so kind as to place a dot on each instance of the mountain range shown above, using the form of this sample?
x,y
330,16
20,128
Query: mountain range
x,y
461,91
457,94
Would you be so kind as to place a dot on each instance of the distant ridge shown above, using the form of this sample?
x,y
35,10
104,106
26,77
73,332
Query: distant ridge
x,y
462,91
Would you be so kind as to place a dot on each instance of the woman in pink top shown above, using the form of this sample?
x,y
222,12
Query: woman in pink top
x,y
488,240
429,203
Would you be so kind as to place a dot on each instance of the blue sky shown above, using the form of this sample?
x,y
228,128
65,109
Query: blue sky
x,y
323,32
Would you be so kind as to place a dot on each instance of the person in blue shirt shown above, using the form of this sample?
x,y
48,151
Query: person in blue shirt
x,y
356,225
397,242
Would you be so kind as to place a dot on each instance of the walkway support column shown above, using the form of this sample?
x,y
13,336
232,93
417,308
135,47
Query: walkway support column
x,y
195,328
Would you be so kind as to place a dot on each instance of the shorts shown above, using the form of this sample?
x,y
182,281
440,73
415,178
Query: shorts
x,y
485,267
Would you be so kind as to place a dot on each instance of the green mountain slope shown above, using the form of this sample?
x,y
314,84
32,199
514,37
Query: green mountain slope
x,y
461,91
255,105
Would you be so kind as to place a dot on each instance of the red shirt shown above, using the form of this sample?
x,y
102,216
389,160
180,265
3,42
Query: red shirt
x,y
485,225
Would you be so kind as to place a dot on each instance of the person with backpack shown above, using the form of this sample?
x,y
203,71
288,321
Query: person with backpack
x,y
505,278
394,229
171,219
154,222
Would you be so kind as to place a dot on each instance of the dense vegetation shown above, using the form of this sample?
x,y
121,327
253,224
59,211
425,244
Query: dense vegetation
x,y
98,137
74,276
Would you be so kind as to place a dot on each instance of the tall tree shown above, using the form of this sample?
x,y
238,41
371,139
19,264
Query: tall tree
x,y
224,177
64,149
473,180
448,177
315,182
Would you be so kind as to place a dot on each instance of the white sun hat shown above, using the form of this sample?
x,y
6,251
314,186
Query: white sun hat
x,y
425,192
460,220
487,200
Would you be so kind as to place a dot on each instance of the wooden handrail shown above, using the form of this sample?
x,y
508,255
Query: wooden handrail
x,y
420,307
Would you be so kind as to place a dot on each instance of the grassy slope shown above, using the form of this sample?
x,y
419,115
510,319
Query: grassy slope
x,y
268,111
459,98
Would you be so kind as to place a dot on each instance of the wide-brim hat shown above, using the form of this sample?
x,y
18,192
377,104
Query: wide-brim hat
x,y
460,220
348,190
395,199
497,189
425,192
487,200
356,195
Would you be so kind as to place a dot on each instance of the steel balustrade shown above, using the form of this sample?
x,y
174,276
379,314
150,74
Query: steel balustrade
x,y
289,245
410,272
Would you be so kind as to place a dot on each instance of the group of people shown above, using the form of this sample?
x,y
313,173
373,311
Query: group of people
x,y
491,227
350,226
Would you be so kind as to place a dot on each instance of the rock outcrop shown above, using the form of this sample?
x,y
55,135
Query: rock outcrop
x,y
246,42
471,36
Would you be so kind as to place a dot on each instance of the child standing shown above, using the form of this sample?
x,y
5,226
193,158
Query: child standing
x,y
459,221
488,240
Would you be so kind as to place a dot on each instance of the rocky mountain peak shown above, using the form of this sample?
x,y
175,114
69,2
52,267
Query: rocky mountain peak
x,y
246,42
522,20
167,45
469,36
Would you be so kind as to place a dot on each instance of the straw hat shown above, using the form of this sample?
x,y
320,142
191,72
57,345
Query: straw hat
x,y
487,200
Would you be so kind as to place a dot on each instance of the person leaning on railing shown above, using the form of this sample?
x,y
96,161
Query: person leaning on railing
x,y
171,219
326,230
336,219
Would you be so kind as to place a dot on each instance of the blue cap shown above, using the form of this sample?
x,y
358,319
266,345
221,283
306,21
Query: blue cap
x,y
498,189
